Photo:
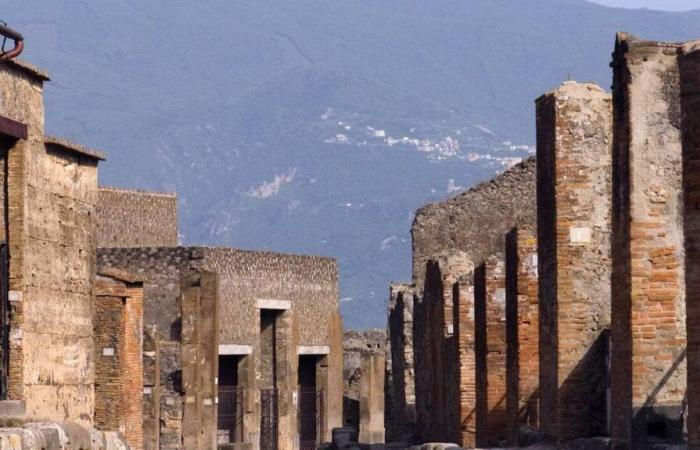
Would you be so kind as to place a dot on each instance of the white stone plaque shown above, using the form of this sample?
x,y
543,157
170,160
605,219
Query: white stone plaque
x,y
207,402
108,351
14,296
147,390
580,235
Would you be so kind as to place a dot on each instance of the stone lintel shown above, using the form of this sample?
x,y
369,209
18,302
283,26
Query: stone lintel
x,y
235,349
280,305
313,350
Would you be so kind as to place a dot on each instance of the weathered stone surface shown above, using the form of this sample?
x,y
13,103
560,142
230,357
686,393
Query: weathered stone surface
x,y
476,221
133,218
648,293
574,146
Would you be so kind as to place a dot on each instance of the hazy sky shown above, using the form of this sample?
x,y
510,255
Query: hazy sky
x,y
669,5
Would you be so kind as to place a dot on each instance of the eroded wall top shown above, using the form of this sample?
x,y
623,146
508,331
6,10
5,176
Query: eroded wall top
x,y
476,221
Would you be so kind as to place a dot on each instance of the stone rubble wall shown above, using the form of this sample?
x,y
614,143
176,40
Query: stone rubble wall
x,y
476,221
133,218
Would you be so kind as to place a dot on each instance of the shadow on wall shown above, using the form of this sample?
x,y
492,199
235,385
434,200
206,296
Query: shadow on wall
x,y
351,413
591,374
402,413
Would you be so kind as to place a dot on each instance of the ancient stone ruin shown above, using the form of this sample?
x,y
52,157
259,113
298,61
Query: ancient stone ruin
x,y
555,303
113,336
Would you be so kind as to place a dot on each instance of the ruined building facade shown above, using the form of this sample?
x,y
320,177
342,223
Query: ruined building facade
x,y
556,300
241,348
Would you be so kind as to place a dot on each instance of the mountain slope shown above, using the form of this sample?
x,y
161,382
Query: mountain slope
x,y
316,126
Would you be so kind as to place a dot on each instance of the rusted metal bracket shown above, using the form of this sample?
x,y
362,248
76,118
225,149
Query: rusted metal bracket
x,y
9,33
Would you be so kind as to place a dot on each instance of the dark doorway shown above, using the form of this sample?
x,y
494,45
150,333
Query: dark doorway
x,y
230,407
268,380
308,403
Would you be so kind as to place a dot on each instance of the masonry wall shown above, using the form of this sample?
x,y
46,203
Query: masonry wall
x,y
132,218
574,194
356,346
50,215
476,221
522,332
648,301
180,352
689,70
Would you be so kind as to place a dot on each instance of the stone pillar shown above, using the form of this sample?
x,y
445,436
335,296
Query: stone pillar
x,y
574,208
648,292
689,67
463,292
402,398
119,379
522,332
372,399
490,348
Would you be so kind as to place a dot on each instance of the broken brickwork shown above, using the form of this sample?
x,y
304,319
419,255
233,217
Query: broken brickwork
x,y
118,355
648,292
574,203
400,375
490,351
133,218
522,332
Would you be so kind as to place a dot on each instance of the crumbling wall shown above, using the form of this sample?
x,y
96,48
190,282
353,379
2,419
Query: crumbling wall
x,y
476,221
133,218
574,128
648,284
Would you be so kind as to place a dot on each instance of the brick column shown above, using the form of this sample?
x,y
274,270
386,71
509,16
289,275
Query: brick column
x,y
490,348
463,292
574,208
522,332
648,292
689,67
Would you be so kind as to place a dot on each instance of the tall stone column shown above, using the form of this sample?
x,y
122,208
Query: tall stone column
x,y
648,292
689,68
490,348
574,127
522,332
372,399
